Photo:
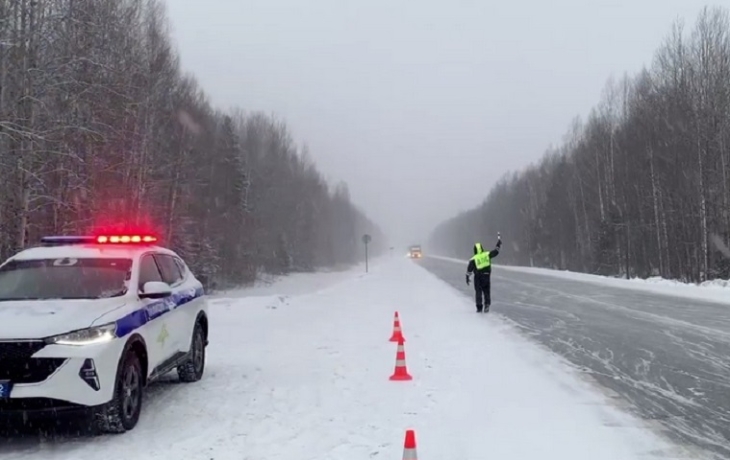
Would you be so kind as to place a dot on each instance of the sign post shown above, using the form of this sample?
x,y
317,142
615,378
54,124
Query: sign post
x,y
366,239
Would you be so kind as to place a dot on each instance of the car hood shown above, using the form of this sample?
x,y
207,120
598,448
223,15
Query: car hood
x,y
36,319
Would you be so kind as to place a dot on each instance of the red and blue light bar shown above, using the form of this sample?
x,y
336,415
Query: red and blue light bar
x,y
113,239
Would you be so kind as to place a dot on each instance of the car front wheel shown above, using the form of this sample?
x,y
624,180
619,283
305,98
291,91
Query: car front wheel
x,y
122,412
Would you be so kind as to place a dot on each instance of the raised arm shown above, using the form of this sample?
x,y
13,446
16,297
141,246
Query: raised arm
x,y
495,252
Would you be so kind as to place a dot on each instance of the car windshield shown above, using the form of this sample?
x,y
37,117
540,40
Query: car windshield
x,y
68,278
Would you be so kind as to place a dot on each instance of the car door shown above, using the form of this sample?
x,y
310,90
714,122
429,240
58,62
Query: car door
x,y
157,330
194,302
172,275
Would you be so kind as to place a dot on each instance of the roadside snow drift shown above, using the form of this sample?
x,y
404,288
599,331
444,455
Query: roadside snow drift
x,y
306,377
716,291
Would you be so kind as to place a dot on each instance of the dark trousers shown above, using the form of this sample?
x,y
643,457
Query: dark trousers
x,y
482,290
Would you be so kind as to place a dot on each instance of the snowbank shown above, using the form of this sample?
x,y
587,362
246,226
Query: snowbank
x,y
297,283
711,291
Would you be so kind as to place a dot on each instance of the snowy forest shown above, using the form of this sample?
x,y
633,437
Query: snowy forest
x,y
639,188
100,126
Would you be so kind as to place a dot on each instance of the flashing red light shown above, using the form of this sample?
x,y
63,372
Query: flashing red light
x,y
125,239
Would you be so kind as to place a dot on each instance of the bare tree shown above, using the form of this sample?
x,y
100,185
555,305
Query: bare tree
x,y
642,188
99,127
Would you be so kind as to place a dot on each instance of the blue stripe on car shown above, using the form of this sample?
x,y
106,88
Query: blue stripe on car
x,y
146,313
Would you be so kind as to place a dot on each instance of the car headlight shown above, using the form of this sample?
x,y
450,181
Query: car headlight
x,y
90,336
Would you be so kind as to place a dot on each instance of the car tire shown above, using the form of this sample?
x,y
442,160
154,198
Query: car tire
x,y
122,413
194,366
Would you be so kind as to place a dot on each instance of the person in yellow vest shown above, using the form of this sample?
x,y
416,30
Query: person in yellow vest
x,y
481,266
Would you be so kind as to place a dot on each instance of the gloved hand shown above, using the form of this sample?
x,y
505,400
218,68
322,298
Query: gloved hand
x,y
467,279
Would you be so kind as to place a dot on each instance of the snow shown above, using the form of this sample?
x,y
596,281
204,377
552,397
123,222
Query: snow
x,y
717,291
299,283
299,371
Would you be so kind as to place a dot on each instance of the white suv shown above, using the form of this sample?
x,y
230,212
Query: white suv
x,y
87,322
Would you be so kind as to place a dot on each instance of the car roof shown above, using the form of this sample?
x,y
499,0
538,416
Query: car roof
x,y
89,251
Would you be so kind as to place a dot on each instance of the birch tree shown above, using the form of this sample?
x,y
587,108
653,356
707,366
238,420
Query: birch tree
x,y
100,128
642,188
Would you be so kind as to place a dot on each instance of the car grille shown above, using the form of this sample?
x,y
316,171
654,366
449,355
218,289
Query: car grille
x,y
32,370
20,350
17,365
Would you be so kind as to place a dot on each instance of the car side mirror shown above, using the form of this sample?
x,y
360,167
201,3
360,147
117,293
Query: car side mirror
x,y
155,290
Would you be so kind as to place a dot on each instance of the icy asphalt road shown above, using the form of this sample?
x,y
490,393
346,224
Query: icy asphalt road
x,y
669,358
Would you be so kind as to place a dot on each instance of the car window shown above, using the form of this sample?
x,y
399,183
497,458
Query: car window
x,y
170,271
148,271
67,278
181,265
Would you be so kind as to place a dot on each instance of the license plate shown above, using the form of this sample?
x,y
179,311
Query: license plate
x,y
5,387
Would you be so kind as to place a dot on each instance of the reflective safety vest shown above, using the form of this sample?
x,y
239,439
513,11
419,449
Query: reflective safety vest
x,y
481,259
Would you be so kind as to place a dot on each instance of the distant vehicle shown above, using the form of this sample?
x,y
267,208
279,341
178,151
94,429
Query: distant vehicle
x,y
86,322
415,252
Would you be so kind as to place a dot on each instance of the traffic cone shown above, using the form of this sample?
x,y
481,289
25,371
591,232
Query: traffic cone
x,y
397,334
409,446
401,372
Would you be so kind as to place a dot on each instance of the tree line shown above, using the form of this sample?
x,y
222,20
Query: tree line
x,y
640,188
99,125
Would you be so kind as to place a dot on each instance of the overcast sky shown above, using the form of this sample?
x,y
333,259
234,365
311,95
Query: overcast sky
x,y
420,106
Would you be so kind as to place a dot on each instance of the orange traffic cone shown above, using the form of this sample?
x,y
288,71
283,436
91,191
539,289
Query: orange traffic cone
x,y
397,334
409,446
401,372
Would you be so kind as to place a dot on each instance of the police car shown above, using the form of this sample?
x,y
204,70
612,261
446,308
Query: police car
x,y
87,322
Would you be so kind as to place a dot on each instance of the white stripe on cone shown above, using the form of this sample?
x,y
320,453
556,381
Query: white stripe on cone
x,y
410,454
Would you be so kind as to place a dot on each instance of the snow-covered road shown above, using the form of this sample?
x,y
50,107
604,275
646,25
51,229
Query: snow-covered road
x,y
305,377
662,351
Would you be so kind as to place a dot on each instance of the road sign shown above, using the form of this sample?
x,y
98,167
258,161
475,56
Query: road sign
x,y
366,239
